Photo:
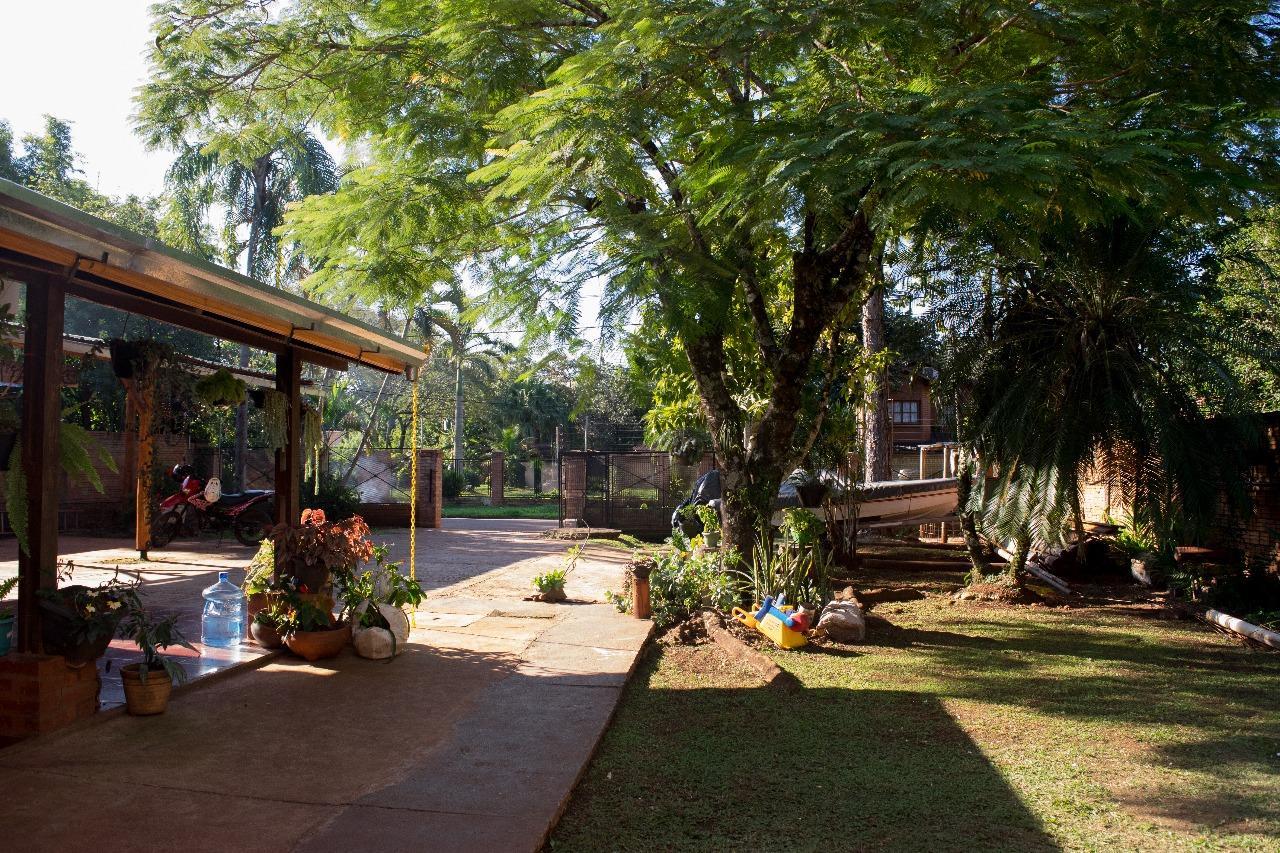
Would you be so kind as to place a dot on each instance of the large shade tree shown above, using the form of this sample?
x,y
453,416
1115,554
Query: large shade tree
x,y
731,164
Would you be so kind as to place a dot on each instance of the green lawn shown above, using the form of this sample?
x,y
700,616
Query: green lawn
x,y
551,511
956,727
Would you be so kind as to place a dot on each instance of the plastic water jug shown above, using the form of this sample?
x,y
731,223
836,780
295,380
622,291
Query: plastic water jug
x,y
222,624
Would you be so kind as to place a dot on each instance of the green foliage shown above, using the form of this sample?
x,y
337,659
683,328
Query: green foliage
x,y
551,581
221,388
275,417
8,585
335,498
800,571
802,527
683,581
258,574
361,592
152,637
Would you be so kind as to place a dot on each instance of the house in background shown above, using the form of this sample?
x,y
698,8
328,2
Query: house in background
x,y
913,417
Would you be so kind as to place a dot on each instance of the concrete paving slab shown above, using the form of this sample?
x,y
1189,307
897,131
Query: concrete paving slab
x,y
471,740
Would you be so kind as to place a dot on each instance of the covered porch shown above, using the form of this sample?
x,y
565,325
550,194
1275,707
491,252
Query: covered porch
x,y
55,252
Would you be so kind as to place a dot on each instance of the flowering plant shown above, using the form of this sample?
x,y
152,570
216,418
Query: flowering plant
x,y
88,614
309,552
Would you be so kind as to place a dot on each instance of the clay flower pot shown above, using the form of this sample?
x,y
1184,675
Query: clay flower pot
x,y
319,645
265,635
145,698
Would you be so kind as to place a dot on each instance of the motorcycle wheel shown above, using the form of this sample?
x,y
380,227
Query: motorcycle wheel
x,y
251,527
165,529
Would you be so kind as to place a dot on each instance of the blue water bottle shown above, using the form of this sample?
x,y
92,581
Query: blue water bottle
x,y
222,624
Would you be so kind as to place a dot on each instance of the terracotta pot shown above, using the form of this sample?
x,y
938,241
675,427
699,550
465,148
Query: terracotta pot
x,y
144,699
318,645
265,635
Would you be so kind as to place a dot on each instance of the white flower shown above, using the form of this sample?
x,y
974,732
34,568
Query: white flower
x,y
114,605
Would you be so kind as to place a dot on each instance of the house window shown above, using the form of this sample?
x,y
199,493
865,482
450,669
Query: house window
x,y
905,411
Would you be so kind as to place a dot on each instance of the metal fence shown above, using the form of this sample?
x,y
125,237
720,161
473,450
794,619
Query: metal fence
x,y
633,491
379,475
524,483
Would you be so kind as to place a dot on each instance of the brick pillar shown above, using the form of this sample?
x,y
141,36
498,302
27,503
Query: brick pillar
x,y
497,477
573,478
707,463
430,487
42,693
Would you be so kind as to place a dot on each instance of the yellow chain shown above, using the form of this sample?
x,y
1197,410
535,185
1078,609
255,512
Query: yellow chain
x,y
413,493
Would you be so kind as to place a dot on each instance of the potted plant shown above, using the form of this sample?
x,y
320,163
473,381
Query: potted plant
x,y
130,358
7,620
79,621
266,624
310,552
257,586
221,388
710,520
311,632
148,683
374,604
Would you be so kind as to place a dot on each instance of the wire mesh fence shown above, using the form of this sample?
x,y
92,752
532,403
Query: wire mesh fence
x,y
379,475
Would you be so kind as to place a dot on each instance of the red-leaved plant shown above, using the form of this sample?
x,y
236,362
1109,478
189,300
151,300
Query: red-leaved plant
x,y
309,552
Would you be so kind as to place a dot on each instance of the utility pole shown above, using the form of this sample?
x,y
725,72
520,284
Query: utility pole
x,y
556,452
586,429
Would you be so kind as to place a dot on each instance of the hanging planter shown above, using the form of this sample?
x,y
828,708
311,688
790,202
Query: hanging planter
x,y
275,416
130,358
221,389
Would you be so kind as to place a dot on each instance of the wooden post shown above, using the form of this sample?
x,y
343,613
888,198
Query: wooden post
x,y
144,394
41,415
922,453
289,457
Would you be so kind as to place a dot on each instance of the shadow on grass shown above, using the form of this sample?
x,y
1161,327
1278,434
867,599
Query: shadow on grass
x,y
818,769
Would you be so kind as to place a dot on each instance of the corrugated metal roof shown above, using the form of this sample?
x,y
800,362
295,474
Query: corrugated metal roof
x,y
51,231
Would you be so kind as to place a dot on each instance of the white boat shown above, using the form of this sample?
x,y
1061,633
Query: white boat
x,y
890,503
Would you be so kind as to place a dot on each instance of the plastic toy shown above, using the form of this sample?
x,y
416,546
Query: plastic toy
x,y
777,621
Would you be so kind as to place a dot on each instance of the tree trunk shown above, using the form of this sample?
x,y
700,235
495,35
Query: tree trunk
x,y
458,436
973,543
261,171
242,431
877,450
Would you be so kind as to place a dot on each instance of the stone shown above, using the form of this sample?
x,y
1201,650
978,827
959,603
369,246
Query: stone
x,y
843,622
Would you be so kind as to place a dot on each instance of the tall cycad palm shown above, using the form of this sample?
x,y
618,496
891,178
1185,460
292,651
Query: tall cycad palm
x,y
1103,355
254,190
469,350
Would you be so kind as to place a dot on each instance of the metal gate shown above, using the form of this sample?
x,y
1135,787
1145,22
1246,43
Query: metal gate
x,y
632,491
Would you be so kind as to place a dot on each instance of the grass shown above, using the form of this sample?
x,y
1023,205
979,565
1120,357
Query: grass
x,y
955,727
551,511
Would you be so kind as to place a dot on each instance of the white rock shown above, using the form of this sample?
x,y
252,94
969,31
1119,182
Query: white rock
x,y
844,622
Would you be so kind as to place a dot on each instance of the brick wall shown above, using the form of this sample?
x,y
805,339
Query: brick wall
x,y
42,693
1257,536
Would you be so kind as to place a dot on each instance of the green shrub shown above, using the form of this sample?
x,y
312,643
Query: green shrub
x,y
683,582
338,500
451,483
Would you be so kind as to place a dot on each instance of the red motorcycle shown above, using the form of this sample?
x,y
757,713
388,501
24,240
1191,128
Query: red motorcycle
x,y
189,512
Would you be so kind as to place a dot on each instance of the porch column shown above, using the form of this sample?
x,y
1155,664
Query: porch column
x,y
41,414
289,457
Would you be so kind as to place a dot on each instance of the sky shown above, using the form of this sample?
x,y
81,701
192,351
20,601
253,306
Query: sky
x,y
81,60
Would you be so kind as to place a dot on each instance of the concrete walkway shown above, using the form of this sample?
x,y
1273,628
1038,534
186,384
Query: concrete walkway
x,y
471,740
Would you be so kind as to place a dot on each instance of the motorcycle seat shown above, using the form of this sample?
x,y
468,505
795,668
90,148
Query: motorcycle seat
x,y
241,497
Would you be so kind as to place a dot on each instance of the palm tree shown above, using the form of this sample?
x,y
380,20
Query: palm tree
x,y
254,191
468,349
1103,355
